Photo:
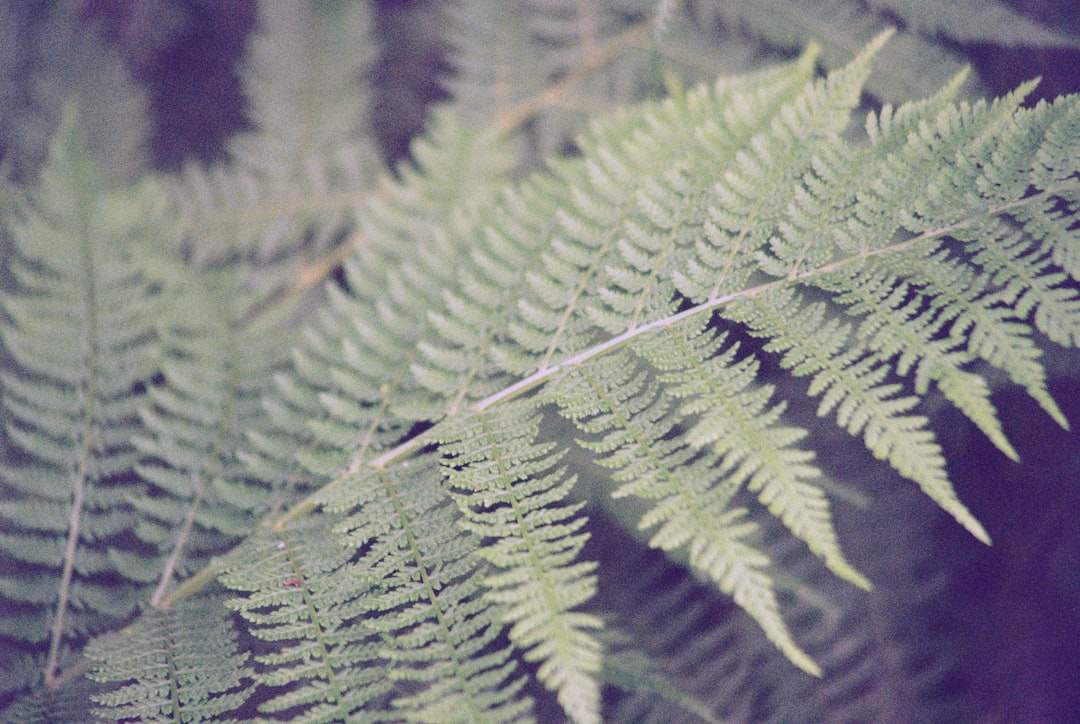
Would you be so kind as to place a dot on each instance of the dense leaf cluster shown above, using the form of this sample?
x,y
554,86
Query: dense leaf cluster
x,y
231,491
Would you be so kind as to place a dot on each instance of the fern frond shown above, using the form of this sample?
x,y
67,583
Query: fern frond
x,y
201,499
509,494
234,213
912,66
886,655
691,489
435,570
297,175
504,313
546,62
350,391
304,82
722,410
407,610
177,664
687,634
752,198
1044,291
983,316
80,339
854,385
424,598
297,593
47,706
634,671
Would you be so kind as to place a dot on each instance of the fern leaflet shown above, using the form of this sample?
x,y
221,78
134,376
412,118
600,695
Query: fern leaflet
x,y
175,664
509,494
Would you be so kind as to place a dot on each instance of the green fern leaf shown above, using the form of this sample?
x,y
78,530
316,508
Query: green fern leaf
x,y
853,385
294,179
423,598
175,664
440,543
692,494
56,55
976,21
509,60
80,339
635,671
508,493
911,67
296,593
201,498
350,392
514,294
733,418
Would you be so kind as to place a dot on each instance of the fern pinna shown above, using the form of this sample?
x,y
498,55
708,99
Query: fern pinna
x,y
390,519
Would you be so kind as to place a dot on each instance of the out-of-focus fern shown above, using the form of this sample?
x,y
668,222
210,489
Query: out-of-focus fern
x,y
916,63
291,180
394,500
51,54
551,64
975,21
78,331
200,498
887,656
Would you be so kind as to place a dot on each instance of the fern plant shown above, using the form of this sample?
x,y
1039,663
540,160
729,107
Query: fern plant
x,y
415,491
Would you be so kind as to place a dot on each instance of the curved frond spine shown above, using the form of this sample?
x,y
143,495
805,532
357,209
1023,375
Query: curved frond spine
x,y
178,664
768,169
502,299
442,544
617,204
508,492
